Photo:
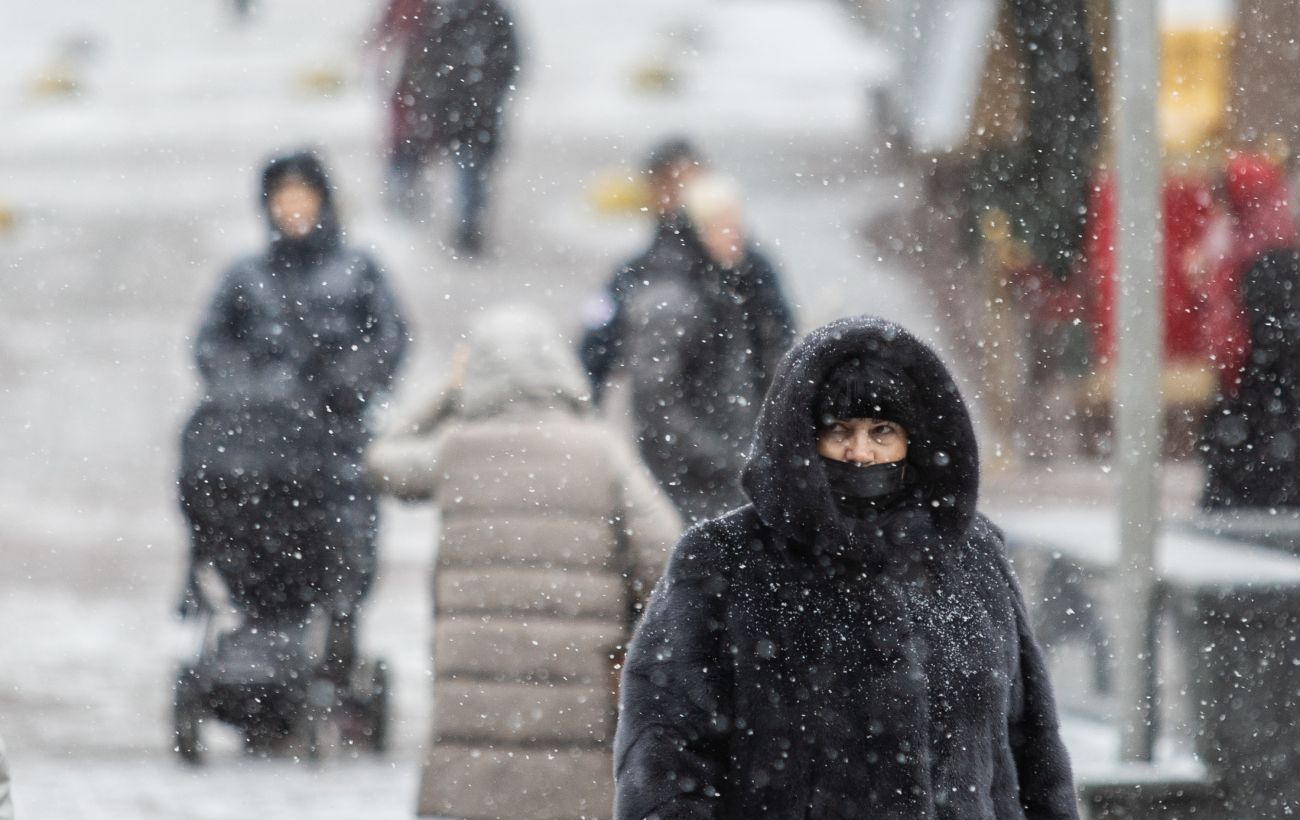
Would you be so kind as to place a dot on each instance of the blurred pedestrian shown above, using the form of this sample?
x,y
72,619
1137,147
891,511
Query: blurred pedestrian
x,y
298,343
701,338
1252,437
459,59
6,797
1256,219
853,642
672,166
552,534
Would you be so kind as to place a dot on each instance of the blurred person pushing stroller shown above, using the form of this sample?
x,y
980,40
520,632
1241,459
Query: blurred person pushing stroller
x,y
296,345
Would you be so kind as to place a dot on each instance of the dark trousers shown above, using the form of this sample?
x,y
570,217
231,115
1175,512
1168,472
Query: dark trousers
x,y
472,179
408,195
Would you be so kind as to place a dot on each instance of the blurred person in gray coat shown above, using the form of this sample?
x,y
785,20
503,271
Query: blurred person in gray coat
x,y
669,170
701,340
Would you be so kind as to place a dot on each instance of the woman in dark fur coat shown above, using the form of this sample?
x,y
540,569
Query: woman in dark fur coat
x,y
853,643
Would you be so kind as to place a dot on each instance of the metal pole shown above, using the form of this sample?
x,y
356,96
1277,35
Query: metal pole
x,y
1139,417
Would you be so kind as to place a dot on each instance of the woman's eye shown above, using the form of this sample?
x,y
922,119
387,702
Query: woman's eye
x,y
883,431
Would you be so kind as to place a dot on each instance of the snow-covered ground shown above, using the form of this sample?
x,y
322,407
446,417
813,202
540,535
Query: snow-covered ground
x,y
119,204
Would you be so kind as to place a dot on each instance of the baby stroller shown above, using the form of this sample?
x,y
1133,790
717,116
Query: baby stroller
x,y
274,579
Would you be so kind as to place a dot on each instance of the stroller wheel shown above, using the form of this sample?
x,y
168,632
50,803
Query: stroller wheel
x,y
377,709
187,716
314,739
319,734
363,720
322,702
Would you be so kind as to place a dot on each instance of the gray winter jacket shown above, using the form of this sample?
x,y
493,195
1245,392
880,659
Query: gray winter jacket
x,y
553,533
700,346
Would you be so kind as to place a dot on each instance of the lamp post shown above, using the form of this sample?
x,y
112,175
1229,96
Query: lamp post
x,y
1138,411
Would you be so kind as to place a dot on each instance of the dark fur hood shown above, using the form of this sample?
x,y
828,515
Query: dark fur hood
x,y
782,672
785,478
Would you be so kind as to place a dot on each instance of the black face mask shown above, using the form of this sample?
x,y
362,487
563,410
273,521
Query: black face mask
x,y
874,481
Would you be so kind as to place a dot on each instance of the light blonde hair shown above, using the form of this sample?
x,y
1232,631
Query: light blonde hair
x,y
710,197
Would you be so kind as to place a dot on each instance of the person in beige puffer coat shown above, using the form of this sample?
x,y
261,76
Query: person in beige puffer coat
x,y
553,534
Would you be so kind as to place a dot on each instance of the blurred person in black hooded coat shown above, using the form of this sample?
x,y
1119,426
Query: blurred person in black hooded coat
x,y
853,642
297,343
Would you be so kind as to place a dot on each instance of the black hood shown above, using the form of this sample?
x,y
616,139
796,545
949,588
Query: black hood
x,y
785,477
311,249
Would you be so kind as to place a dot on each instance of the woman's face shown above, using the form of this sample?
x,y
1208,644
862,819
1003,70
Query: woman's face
x,y
862,441
295,208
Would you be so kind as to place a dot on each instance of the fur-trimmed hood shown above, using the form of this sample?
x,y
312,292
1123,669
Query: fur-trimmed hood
x,y
785,478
